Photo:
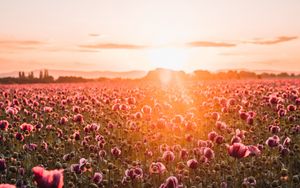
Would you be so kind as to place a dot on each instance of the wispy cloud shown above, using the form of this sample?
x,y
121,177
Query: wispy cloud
x,y
209,44
13,45
112,46
21,42
94,35
10,46
277,40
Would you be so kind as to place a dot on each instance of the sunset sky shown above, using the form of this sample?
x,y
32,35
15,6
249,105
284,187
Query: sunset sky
x,y
122,35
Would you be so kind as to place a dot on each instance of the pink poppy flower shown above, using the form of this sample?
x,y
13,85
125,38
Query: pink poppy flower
x,y
291,108
2,165
116,152
63,120
208,153
48,179
78,118
157,168
273,141
238,150
192,163
146,109
19,136
4,125
183,154
7,186
171,182
254,151
26,127
134,173
97,178
215,116
168,156
212,135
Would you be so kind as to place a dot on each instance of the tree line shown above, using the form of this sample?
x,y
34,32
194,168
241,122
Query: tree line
x,y
45,77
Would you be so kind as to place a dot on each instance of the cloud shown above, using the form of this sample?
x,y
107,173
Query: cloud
x,y
112,46
94,35
11,45
69,49
20,42
241,53
277,40
209,44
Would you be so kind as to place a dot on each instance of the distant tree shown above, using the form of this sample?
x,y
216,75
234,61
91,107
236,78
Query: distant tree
x,y
41,75
72,79
232,74
246,74
283,74
21,75
30,75
202,75
46,73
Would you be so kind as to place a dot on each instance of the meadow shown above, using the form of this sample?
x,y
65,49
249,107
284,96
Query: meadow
x,y
227,134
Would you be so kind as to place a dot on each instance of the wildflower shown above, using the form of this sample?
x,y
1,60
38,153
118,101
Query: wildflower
x,y
183,154
97,178
26,127
2,165
212,135
168,156
157,168
131,100
19,136
219,139
291,108
138,115
235,139
78,118
273,141
4,125
7,186
146,109
250,181
178,119
124,107
274,129
171,182
134,173
47,109
76,168
30,147
281,112
215,116
254,151
116,152
250,120
48,179
63,120
115,107
286,141
192,163
240,133
238,150
11,111
208,153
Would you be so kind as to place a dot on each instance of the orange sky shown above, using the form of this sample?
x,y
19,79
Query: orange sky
x,y
141,35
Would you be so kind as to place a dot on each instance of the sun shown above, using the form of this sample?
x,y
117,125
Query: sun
x,y
169,58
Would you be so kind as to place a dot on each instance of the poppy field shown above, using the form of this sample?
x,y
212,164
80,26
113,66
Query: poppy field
x,y
227,134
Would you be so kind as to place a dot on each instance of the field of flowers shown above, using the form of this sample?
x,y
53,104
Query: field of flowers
x,y
214,134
